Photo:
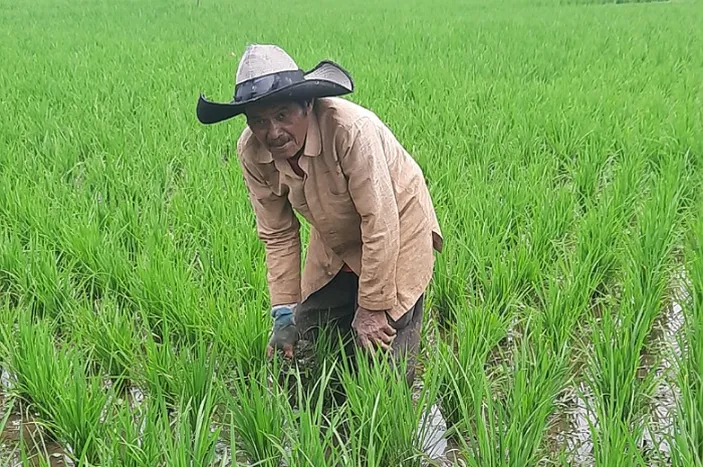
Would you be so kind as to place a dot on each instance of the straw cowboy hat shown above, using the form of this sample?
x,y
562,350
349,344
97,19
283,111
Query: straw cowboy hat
x,y
267,72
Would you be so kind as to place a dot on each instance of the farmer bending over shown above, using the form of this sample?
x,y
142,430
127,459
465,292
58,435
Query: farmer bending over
x,y
373,227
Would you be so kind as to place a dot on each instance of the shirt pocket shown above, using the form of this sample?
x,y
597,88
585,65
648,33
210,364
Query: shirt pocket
x,y
335,181
334,208
272,178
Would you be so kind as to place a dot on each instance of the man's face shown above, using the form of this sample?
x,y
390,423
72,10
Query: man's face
x,y
280,127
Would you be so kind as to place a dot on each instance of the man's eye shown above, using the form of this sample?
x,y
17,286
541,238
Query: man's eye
x,y
281,116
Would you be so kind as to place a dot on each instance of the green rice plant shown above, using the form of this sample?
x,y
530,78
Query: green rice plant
x,y
8,318
34,281
35,364
158,435
313,361
687,437
384,423
242,334
538,377
466,397
510,417
109,337
256,402
53,379
157,372
134,437
464,356
189,440
566,301
179,376
80,413
166,293
552,219
198,367
313,438
598,243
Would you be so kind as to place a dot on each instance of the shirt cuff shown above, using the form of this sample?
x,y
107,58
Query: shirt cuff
x,y
377,305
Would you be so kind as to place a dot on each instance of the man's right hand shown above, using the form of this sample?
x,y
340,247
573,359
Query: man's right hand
x,y
284,334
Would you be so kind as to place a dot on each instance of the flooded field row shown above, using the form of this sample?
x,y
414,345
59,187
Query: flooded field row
x,y
569,437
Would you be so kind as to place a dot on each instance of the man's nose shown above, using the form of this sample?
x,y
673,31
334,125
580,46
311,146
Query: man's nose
x,y
274,131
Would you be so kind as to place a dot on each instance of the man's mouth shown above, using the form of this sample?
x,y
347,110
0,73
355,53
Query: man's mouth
x,y
278,146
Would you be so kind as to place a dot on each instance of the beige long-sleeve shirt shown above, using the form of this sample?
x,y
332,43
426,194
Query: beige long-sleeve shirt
x,y
367,204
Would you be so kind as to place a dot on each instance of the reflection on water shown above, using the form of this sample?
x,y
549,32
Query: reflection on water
x,y
573,422
665,342
432,430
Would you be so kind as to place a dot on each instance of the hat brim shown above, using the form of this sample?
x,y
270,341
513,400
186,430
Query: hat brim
x,y
327,79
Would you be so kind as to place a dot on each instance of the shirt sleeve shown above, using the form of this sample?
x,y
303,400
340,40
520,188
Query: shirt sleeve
x,y
371,188
279,230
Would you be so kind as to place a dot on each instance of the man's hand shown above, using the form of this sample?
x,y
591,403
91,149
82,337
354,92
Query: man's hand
x,y
284,334
372,329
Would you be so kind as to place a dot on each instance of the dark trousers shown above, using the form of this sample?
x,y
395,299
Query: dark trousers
x,y
333,307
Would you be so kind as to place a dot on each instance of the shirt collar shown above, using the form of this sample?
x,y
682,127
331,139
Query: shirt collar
x,y
313,138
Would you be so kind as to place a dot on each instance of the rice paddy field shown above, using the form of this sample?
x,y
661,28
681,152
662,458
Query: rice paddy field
x,y
562,142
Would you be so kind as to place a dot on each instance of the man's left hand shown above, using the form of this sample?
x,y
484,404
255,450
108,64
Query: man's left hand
x,y
372,329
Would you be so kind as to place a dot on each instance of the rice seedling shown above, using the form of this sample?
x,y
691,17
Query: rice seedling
x,y
80,414
110,339
241,336
179,376
463,359
502,420
7,329
39,283
190,441
34,364
54,381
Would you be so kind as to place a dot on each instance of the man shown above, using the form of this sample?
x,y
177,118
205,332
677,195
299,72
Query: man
x,y
373,228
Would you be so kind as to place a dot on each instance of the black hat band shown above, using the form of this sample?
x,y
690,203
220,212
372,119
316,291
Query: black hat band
x,y
263,85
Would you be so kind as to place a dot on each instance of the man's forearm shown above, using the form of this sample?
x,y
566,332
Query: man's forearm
x,y
283,254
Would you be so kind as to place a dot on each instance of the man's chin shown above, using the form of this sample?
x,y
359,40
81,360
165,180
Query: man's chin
x,y
285,152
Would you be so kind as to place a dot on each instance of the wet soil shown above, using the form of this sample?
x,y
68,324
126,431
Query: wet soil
x,y
22,429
